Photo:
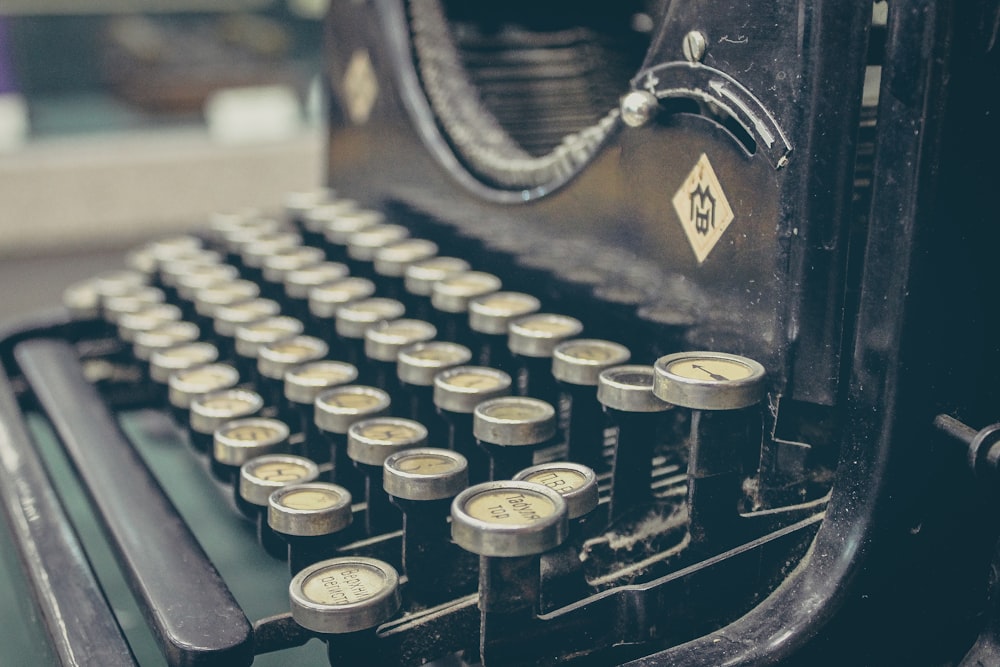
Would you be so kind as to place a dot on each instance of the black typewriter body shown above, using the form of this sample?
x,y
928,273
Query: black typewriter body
x,y
803,184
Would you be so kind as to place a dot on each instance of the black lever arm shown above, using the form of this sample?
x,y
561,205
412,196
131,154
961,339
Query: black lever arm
x,y
76,615
190,609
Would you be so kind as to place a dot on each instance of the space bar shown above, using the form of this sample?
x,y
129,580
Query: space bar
x,y
190,609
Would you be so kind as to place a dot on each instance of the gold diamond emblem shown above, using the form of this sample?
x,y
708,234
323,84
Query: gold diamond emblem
x,y
703,209
360,87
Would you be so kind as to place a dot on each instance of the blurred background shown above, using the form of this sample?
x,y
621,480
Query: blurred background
x,y
122,120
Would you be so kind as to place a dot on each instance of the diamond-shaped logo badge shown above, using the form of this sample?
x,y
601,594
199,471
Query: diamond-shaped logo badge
x,y
703,209
360,87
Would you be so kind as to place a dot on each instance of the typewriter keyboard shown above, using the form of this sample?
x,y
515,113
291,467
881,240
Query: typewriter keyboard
x,y
432,436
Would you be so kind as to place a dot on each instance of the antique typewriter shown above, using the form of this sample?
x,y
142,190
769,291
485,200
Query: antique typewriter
x,y
655,333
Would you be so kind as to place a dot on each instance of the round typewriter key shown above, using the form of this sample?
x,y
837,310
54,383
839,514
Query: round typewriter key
x,y
383,343
510,429
230,317
251,337
457,392
82,300
335,410
579,362
315,219
462,388
300,281
185,385
283,261
339,228
369,443
210,411
131,302
420,277
195,270
508,519
164,362
306,381
453,293
451,297
299,202
239,237
116,283
362,246
344,595
208,299
416,367
577,365
241,440
147,319
723,392
425,473
354,318
173,246
224,222
418,364
326,300
509,525
576,483
626,392
489,318
578,486
492,313
298,205
274,359
195,277
255,251
302,385
174,269
261,476
514,421
339,407
422,483
532,340
168,334
180,247
537,335
392,259
315,509
629,388
313,519
709,380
